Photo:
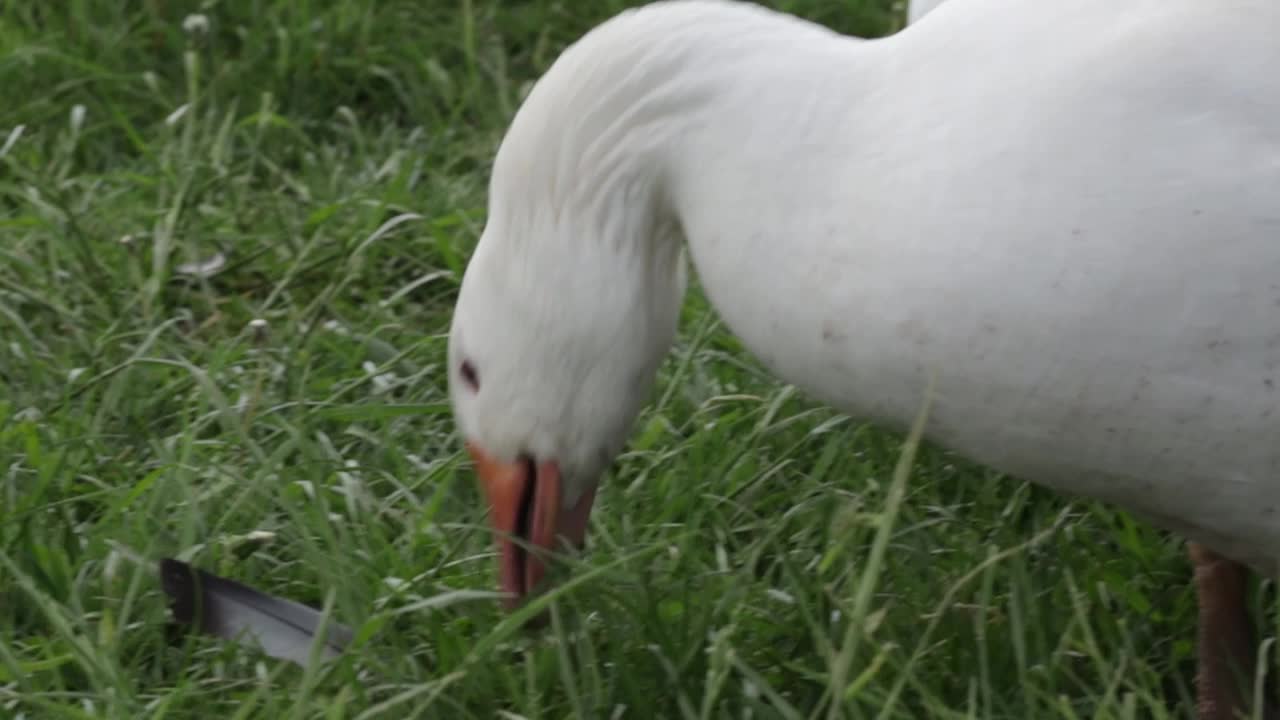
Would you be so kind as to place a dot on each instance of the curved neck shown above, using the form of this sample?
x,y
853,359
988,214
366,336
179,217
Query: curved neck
x,y
623,116
706,120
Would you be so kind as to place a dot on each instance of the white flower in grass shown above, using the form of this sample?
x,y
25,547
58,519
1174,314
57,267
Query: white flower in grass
x,y
353,488
204,268
195,24
77,118
382,382
259,328
349,477
111,568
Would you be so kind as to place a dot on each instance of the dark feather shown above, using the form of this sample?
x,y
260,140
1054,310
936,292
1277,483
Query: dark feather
x,y
226,609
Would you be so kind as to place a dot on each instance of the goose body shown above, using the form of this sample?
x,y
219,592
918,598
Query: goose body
x,y
1084,245
1066,213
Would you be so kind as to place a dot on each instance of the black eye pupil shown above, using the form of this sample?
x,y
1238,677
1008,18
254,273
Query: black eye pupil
x,y
469,375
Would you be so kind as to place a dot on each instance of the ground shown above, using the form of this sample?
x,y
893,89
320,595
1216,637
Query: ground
x,y
231,234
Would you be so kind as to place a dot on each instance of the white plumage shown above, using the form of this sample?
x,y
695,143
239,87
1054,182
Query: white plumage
x,y
1066,210
917,9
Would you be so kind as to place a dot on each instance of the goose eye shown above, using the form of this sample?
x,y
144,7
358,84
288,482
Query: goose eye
x,y
469,376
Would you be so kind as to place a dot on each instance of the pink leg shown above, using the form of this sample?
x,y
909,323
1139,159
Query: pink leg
x,y
1224,680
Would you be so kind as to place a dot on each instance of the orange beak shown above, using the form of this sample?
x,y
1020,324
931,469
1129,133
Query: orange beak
x,y
527,517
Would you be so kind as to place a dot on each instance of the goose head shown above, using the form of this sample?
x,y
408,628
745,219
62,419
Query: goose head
x,y
567,307
552,353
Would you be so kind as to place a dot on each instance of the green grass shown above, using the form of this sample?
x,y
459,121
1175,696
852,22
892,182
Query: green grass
x,y
336,153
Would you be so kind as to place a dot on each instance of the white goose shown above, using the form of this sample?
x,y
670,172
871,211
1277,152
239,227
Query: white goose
x,y
1067,210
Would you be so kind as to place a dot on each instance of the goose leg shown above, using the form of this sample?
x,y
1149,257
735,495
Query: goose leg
x,y
1226,642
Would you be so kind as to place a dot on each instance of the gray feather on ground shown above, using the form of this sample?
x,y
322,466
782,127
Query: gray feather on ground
x,y
226,609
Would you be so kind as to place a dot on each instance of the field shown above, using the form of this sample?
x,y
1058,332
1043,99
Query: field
x,y
229,249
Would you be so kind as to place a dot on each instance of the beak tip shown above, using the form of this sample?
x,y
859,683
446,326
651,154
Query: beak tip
x,y
525,505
